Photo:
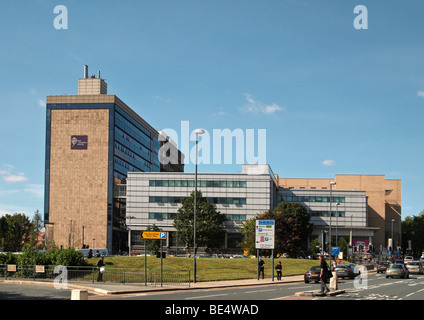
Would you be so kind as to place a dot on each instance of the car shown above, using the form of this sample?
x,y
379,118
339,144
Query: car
x,y
397,270
408,259
414,267
382,266
346,271
313,274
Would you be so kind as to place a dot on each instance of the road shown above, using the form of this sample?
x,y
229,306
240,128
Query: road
x,y
376,287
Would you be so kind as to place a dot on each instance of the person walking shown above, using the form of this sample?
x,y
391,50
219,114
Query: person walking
x,y
261,267
279,269
324,274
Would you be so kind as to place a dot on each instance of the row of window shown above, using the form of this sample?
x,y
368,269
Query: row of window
x,y
327,213
312,199
200,183
172,216
214,200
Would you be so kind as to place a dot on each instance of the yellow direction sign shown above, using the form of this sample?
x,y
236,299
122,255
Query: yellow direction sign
x,y
153,235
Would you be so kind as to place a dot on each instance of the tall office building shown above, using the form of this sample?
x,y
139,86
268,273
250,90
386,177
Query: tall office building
x,y
93,140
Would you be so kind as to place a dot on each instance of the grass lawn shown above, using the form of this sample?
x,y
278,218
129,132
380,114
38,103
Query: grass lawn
x,y
211,269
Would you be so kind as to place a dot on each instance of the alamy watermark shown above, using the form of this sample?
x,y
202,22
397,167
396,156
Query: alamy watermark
x,y
61,281
222,146
61,20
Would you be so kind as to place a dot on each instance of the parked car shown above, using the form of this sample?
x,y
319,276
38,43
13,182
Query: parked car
x,y
313,274
346,271
382,266
414,267
397,270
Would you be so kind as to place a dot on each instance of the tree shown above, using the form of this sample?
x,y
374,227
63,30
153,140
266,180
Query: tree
x,y
342,243
292,228
14,231
209,222
412,230
37,224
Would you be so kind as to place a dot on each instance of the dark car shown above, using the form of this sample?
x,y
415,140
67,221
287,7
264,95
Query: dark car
x,y
382,266
313,274
346,271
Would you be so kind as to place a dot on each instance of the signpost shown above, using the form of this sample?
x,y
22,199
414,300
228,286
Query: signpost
x,y
264,239
153,235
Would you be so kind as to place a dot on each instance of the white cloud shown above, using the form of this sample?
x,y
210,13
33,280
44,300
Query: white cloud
x,y
420,94
9,177
329,163
256,107
41,103
15,178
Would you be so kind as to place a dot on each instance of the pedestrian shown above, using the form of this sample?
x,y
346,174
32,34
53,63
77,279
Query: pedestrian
x,y
279,269
100,268
90,254
324,274
261,267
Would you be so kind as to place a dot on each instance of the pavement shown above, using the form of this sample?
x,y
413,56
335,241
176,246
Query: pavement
x,y
108,288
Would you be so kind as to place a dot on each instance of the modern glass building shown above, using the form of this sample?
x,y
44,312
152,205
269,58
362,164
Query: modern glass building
x,y
92,141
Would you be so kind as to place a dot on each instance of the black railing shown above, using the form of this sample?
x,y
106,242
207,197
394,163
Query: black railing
x,y
91,274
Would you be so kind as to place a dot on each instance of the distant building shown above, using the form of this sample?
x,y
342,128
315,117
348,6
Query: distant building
x,y
383,205
154,199
93,140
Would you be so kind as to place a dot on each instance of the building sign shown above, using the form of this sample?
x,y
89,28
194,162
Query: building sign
x,y
79,142
265,230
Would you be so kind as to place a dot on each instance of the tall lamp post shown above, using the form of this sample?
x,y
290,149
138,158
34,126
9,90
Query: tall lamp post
x,y
197,132
332,183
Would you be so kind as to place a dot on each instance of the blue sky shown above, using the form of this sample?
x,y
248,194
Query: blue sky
x,y
333,99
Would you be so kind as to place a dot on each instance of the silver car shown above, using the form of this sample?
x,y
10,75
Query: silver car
x,y
414,267
397,270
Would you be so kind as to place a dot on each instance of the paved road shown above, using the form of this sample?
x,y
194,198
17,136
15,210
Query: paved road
x,y
380,288
377,287
32,292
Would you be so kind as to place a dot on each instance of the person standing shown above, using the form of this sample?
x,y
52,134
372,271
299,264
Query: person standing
x,y
279,269
261,267
324,275
100,268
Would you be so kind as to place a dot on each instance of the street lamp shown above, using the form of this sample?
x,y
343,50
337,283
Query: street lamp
x,y
393,240
197,132
332,183
129,225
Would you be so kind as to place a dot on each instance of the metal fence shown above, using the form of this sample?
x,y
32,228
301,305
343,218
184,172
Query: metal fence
x,y
92,274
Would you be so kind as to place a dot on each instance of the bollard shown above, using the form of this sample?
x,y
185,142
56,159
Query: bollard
x,y
333,282
79,295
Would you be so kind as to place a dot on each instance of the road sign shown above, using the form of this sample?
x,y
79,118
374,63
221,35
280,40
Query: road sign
x,y
265,231
335,251
157,235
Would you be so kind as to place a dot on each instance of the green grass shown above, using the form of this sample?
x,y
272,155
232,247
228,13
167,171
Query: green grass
x,y
211,269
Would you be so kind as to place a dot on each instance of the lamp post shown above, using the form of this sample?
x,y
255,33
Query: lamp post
x,y
393,240
329,234
197,132
129,225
